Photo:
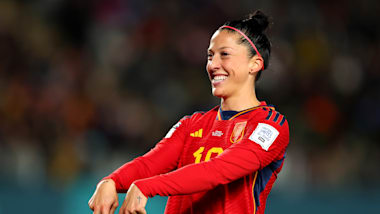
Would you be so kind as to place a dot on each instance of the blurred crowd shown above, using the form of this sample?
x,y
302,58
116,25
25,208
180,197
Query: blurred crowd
x,y
87,85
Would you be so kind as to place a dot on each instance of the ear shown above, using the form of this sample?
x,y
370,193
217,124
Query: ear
x,y
256,63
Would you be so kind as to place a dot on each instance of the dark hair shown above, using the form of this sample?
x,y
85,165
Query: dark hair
x,y
253,27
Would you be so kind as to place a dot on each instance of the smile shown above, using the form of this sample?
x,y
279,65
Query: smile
x,y
218,79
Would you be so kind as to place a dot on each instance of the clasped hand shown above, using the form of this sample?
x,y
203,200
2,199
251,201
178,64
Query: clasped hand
x,y
134,202
105,200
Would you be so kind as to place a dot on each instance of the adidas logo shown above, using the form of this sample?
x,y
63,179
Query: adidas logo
x,y
197,133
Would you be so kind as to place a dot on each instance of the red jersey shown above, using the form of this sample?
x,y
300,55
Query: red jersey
x,y
213,162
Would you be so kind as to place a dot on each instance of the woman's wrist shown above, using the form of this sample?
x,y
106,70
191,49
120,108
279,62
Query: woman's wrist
x,y
108,181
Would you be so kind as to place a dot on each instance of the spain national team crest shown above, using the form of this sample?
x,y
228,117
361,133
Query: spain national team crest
x,y
238,132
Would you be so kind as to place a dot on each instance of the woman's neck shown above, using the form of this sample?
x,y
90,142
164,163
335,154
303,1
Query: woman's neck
x,y
239,103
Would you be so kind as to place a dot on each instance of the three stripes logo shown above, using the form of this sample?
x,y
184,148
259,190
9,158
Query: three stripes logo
x,y
276,117
197,133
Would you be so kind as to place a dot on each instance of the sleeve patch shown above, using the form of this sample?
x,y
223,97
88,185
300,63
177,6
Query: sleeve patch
x,y
264,135
172,130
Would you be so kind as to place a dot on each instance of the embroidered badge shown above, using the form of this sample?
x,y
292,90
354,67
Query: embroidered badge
x,y
238,132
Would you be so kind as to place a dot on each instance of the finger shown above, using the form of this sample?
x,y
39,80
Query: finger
x,y
113,208
91,204
142,211
106,210
122,209
96,210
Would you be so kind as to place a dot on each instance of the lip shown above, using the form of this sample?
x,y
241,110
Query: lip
x,y
215,84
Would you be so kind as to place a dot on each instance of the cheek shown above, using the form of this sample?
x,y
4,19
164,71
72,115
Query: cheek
x,y
238,71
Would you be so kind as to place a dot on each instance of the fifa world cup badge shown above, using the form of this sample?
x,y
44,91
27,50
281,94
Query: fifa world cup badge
x,y
238,132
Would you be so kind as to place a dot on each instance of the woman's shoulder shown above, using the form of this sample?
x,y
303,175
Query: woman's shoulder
x,y
197,115
269,114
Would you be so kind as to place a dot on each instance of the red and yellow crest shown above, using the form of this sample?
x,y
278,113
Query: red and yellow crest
x,y
238,132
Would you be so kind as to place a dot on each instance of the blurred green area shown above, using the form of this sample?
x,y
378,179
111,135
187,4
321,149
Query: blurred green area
x,y
87,85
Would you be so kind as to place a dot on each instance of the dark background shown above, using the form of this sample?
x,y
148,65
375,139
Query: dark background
x,y
88,85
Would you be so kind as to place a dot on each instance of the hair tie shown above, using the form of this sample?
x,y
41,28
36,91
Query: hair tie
x,y
246,37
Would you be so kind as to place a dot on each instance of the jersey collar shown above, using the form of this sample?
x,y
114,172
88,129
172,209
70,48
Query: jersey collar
x,y
221,116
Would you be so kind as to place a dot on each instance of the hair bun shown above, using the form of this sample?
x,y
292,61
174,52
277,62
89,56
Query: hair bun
x,y
257,21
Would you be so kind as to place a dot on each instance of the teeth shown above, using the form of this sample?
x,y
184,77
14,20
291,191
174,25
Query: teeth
x,y
219,78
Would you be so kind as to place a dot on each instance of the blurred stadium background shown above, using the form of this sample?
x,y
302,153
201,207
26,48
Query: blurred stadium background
x,y
88,85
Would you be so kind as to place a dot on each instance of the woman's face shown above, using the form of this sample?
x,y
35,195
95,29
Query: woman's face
x,y
229,65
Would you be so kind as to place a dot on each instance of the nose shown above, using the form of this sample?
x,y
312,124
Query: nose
x,y
213,64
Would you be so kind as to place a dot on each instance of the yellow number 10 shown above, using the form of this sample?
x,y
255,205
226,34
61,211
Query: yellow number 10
x,y
198,153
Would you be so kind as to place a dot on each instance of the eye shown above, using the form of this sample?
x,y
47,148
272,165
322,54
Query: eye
x,y
209,55
224,53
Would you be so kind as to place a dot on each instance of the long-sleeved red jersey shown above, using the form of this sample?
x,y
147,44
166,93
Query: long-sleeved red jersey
x,y
213,162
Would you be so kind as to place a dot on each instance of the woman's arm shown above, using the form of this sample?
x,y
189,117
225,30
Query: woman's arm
x,y
161,159
239,160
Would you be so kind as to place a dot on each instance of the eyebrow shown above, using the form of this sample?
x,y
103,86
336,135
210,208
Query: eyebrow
x,y
221,48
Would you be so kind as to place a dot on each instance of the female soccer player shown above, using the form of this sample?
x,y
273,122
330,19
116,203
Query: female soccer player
x,y
221,161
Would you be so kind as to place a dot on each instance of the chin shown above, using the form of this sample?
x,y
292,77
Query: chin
x,y
217,93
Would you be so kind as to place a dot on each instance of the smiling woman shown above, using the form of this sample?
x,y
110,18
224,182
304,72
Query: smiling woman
x,y
234,58
221,161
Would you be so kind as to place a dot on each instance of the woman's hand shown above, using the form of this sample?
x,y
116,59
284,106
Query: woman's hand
x,y
104,200
134,202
